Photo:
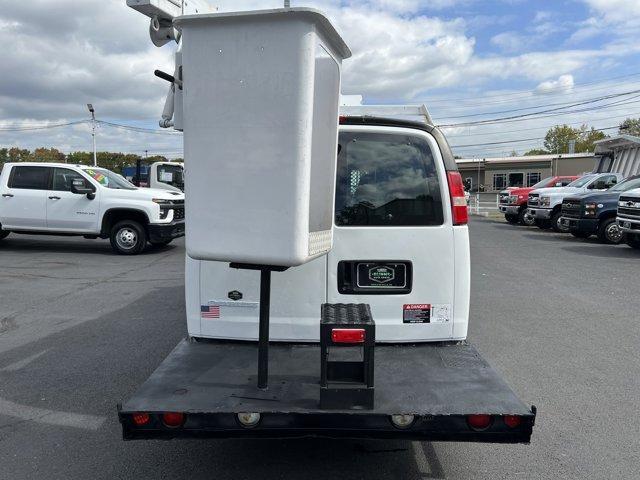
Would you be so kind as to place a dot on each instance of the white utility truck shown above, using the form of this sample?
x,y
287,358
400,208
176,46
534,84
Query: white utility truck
x,y
158,175
364,335
67,200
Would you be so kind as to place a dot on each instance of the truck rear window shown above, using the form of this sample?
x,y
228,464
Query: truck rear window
x,y
386,180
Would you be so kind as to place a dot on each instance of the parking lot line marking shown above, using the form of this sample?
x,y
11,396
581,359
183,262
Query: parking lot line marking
x,y
20,364
50,417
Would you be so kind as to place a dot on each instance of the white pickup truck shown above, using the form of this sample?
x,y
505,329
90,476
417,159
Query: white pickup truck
x,y
63,199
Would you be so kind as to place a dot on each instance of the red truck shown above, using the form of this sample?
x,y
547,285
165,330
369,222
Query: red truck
x,y
513,201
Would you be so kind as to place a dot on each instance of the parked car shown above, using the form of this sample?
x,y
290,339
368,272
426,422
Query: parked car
x,y
545,204
629,216
594,213
62,199
513,201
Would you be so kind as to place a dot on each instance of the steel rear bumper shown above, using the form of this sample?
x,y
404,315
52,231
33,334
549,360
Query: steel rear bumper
x,y
213,381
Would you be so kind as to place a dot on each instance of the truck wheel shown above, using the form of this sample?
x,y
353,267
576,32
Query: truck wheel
x,y
581,234
512,219
556,225
609,232
128,237
633,241
542,224
524,219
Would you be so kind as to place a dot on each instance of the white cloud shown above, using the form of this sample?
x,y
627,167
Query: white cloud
x,y
564,83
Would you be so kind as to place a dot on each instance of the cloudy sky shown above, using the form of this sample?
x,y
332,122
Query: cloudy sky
x,y
470,61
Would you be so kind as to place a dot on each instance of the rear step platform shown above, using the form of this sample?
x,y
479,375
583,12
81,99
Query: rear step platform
x,y
451,392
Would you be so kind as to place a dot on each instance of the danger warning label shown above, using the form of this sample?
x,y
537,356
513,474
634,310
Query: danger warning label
x,y
417,313
426,313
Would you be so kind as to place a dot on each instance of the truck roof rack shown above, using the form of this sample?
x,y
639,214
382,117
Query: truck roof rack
x,y
418,113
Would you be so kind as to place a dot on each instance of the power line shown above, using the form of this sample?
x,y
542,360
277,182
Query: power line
x,y
139,129
564,104
26,128
529,91
541,127
529,116
520,141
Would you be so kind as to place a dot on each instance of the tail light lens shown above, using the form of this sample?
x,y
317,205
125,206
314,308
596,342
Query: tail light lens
x,y
173,419
141,419
459,210
512,421
479,422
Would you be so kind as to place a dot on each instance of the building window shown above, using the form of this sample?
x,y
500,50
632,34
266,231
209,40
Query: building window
x,y
499,181
533,178
516,179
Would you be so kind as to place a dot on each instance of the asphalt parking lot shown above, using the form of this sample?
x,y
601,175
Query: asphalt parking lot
x,y
81,328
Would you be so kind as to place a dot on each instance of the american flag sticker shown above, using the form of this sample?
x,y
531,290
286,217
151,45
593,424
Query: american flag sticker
x,y
210,311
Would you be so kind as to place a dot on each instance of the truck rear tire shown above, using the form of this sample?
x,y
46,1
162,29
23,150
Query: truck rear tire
x,y
556,225
512,219
609,232
128,237
633,241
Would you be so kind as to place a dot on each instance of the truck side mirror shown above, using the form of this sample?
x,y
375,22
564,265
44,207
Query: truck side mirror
x,y
600,185
79,188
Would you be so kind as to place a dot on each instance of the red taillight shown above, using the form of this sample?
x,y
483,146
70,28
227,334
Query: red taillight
x,y
458,202
141,419
342,119
512,421
347,335
479,422
173,419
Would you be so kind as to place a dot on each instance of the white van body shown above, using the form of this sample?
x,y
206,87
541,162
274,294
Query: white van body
x,y
439,256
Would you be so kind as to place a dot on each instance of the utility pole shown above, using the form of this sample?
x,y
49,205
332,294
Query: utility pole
x,y
93,133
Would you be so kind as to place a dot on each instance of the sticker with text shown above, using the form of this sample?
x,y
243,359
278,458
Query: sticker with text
x,y
416,313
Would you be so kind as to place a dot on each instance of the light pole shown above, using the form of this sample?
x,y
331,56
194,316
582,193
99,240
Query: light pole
x,y
93,133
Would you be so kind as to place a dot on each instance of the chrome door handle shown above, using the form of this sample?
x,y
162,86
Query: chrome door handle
x,y
7,195
54,198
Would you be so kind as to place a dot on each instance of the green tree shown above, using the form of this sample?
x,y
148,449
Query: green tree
x,y
557,138
631,126
536,151
51,155
587,138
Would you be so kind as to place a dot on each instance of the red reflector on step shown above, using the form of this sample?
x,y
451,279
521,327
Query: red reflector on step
x,y
479,422
512,421
347,335
173,419
140,419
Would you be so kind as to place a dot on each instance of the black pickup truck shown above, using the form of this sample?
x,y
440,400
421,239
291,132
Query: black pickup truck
x,y
595,213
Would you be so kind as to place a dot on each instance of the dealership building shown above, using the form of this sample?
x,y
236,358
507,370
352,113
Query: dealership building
x,y
495,174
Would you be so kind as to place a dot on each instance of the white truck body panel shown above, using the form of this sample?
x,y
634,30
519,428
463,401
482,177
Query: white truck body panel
x,y
48,210
441,278
261,97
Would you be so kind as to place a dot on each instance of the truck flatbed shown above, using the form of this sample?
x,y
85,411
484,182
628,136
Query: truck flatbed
x,y
449,388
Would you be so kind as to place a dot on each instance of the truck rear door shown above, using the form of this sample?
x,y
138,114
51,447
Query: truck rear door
x,y
394,238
